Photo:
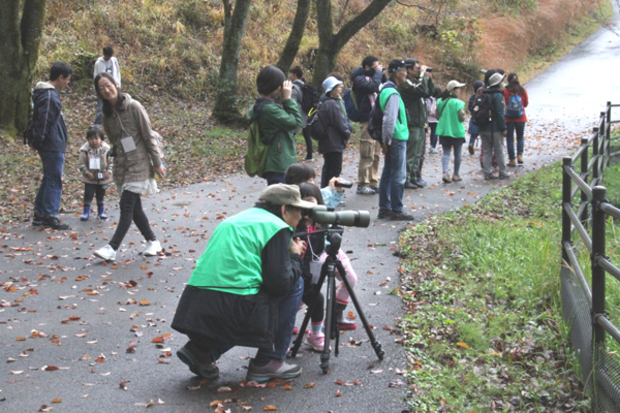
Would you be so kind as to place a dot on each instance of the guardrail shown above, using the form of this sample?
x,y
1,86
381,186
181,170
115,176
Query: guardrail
x,y
584,308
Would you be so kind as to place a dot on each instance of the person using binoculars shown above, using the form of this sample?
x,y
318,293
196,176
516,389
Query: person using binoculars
x,y
246,288
96,167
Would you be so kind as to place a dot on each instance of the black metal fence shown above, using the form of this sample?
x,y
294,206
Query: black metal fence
x,y
584,307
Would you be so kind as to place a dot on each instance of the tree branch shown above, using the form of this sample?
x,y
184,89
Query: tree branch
x,y
353,26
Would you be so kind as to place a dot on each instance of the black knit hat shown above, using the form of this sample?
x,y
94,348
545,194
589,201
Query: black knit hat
x,y
269,79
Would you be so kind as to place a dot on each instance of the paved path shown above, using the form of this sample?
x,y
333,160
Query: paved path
x,y
63,309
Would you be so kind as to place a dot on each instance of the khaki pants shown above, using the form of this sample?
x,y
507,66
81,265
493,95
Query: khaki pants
x,y
370,154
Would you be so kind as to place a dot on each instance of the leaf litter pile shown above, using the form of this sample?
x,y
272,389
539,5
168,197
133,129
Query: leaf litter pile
x,y
481,336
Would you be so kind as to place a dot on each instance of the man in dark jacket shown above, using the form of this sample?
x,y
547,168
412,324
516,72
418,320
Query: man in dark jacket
x,y
492,135
246,288
50,140
419,86
366,82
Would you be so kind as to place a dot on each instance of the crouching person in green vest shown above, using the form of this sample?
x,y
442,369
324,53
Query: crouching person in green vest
x,y
246,289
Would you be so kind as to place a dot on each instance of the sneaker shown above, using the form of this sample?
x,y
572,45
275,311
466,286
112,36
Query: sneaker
x,y
520,158
511,163
153,248
53,223
491,176
316,341
505,175
446,178
470,147
37,220
198,363
365,190
432,150
400,216
275,369
410,185
106,253
456,178
421,183
383,213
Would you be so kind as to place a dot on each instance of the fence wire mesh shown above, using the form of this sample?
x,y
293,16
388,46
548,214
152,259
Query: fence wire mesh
x,y
606,381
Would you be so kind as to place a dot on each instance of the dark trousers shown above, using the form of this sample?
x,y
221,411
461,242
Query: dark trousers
x,y
273,178
131,209
433,127
331,167
306,133
90,190
308,297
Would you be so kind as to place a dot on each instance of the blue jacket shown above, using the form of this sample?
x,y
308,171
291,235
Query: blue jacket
x,y
50,131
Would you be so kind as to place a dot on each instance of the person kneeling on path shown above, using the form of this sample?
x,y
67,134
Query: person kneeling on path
x,y
246,289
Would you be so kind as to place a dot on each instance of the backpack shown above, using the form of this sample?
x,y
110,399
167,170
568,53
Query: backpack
x,y
256,156
375,120
350,105
310,96
315,124
514,108
482,114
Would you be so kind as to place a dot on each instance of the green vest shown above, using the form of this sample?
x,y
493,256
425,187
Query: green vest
x,y
449,124
401,131
232,261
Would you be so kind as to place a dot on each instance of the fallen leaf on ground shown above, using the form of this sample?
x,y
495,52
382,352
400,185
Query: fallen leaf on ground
x,y
270,408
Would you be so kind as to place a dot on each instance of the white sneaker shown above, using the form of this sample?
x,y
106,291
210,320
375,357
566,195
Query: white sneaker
x,y
107,253
153,248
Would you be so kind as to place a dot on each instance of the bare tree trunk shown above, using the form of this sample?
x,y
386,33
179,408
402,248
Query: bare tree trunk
x,y
294,38
21,41
330,44
225,109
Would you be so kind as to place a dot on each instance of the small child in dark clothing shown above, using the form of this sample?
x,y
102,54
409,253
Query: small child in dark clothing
x,y
96,168
473,129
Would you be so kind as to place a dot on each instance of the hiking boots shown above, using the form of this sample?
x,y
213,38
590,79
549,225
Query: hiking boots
x,y
53,223
470,147
384,213
37,220
456,178
512,163
446,178
400,216
421,183
491,176
410,185
275,369
199,364
505,175
520,158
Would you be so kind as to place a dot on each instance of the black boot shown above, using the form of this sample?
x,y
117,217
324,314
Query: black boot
x,y
341,321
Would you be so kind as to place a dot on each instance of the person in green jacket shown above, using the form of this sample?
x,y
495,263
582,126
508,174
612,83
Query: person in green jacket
x,y
450,128
277,122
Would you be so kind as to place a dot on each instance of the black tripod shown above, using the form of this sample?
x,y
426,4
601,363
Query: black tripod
x,y
334,236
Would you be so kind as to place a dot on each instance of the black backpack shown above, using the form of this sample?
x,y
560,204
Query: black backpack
x,y
310,96
315,124
482,115
375,119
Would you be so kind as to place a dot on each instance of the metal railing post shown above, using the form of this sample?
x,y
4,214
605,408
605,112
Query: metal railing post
x,y
567,162
608,133
585,175
595,156
598,273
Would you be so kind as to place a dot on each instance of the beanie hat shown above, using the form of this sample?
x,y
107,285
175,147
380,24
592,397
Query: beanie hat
x,y
478,84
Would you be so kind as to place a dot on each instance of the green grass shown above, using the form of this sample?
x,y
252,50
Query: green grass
x,y
484,326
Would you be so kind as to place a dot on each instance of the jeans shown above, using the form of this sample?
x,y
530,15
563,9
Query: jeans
x,y
433,128
47,201
393,177
472,138
131,210
90,190
273,178
445,159
99,111
332,166
415,153
510,135
492,143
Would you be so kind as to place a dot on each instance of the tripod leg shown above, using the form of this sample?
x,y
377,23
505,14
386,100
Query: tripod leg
x,y
373,341
329,316
304,324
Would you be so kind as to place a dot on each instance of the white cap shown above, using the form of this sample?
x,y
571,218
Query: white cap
x,y
453,84
330,83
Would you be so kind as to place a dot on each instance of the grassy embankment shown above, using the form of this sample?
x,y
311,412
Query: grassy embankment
x,y
483,328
